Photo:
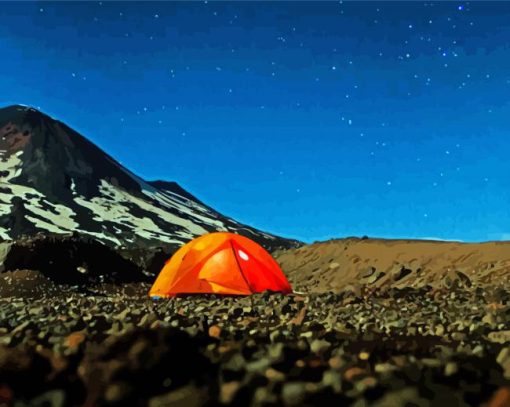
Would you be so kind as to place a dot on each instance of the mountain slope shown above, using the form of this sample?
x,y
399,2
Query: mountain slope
x,y
55,181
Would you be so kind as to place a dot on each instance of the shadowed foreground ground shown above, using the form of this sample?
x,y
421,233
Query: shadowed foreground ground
x,y
422,346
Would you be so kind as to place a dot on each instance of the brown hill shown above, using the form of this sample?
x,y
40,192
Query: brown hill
x,y
379,264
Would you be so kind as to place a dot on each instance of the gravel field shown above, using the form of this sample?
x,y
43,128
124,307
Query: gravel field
x,y
401,347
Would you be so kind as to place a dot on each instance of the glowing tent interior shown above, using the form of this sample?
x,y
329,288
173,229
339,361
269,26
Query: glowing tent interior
x,y
220,263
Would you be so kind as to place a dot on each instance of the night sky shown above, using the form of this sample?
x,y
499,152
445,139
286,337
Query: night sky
x,y
309,120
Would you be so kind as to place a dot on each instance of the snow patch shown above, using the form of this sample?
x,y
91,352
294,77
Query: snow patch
x,y
5,208
58,221
186,207
62,217
4,234
114,206
101,236
12,166
41,224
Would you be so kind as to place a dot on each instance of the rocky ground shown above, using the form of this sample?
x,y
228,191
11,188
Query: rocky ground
x,y
398,347
372,322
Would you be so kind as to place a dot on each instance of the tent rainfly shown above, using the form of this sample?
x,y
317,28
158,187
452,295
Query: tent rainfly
x,y
220,263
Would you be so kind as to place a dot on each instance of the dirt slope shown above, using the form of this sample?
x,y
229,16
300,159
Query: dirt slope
x,y
380,263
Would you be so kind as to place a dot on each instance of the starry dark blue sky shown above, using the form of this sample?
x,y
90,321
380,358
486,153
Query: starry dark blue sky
x,y
310,120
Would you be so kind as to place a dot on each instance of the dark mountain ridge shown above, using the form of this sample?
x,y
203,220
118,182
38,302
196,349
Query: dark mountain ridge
x,y
55,181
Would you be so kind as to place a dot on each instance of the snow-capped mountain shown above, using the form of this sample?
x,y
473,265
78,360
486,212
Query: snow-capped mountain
x,y
55,181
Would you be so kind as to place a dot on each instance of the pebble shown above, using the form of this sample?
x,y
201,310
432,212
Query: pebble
x,y
293,394
499,336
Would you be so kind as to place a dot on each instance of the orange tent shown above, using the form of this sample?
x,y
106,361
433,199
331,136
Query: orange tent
x,y
222,263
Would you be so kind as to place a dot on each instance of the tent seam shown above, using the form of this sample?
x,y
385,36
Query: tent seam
x,y
240,268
